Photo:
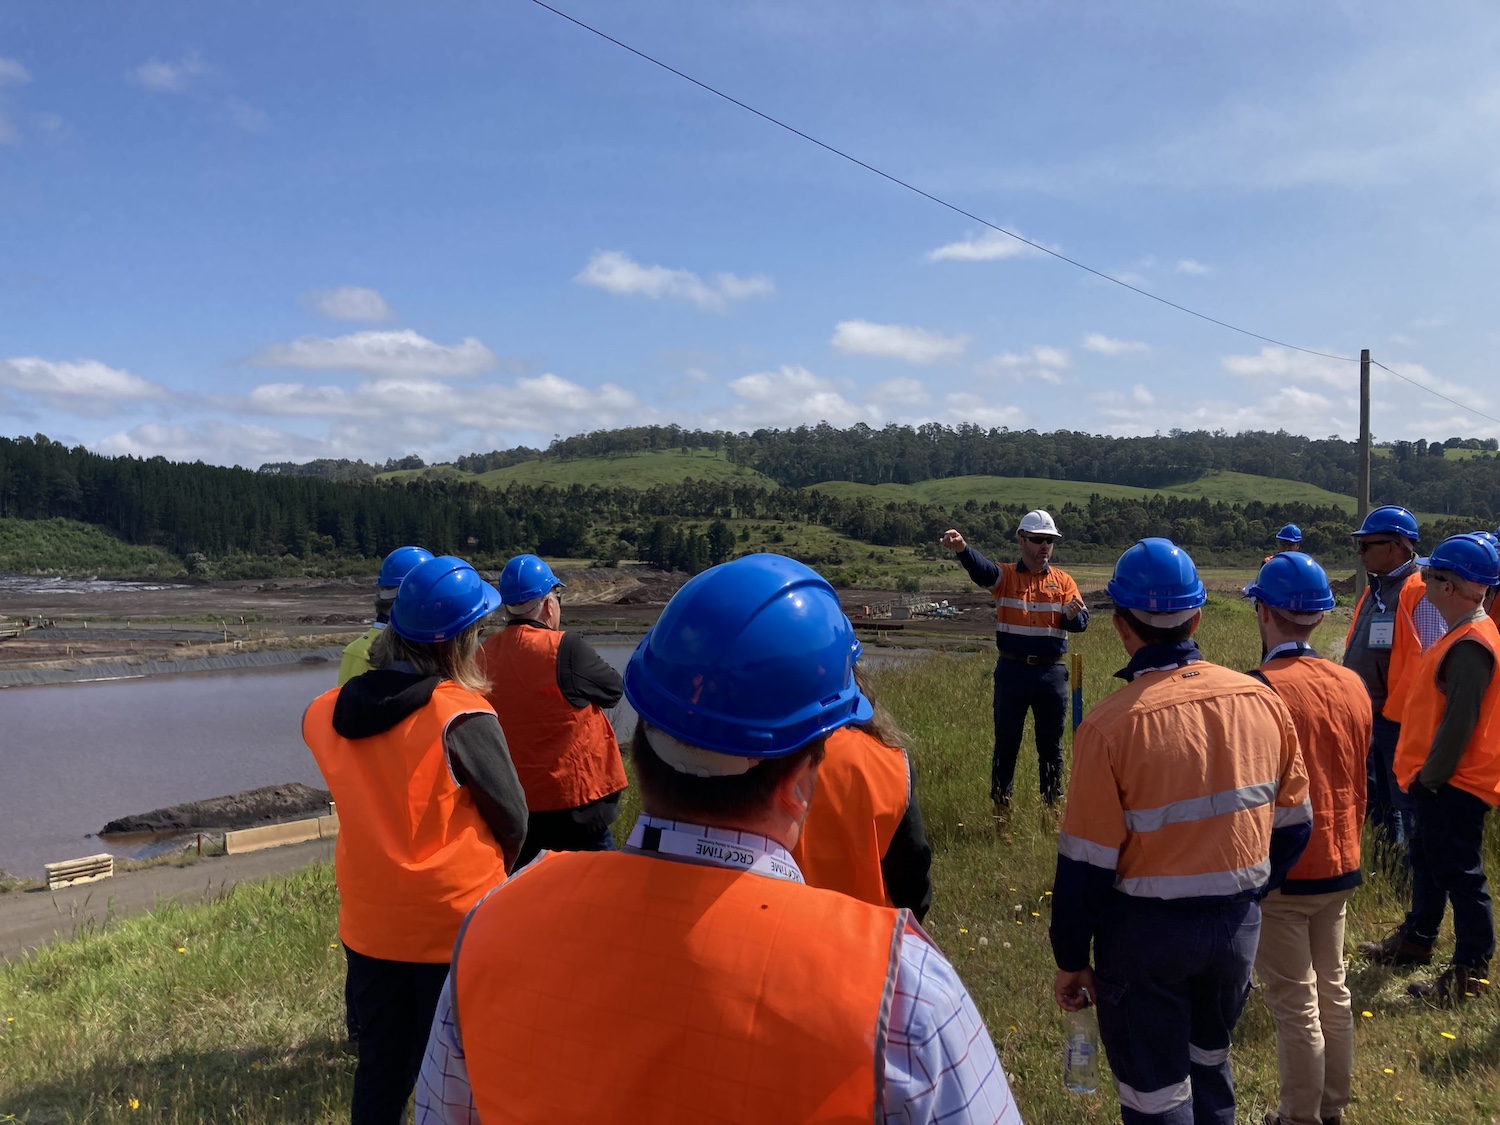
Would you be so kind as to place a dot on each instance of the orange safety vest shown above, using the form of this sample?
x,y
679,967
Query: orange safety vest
x,y
413,854
610,986
1406,645
1029,604
1331,711
1479,769
862,793
565,756
1178,779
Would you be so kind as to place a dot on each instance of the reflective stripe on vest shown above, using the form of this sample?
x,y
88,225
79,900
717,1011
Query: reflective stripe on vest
x,y
565,756
861,796
413,853
1029,604
1479,769
1406,650
608,986
1331,711
1178,780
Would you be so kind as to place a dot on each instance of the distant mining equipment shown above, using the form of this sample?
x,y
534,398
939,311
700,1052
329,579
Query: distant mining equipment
x,y
905,609
11,629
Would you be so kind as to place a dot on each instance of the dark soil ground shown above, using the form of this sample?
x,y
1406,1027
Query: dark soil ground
x,y
266,805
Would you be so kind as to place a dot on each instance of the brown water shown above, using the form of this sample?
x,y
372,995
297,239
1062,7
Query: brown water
x,y
75,756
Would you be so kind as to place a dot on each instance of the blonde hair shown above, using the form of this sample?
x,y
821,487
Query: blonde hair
x,y
456,659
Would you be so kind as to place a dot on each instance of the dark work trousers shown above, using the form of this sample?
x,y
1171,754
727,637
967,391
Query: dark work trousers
x,y
392,1003
1041,689
1447,864
1389,809
1172,980
562,830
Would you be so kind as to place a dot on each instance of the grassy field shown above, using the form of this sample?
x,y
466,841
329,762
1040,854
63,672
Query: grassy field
x,y
231,1012
629,470
1233,488
59,546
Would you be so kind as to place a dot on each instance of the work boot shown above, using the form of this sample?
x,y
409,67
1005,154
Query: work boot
x,y
1396,949
1454,985
1002,816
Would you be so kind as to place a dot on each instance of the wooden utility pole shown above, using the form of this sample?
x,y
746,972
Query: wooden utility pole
x,y
1360,577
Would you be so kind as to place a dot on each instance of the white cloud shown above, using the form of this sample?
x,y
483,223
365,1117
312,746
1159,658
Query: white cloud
x,y
12,73
83,384
991,246
910,392
218,443
243,115
1187,265
1107,345
896,341
1283,363
967,407
792,396
1041,362
618,273
349,302
395,353
167,77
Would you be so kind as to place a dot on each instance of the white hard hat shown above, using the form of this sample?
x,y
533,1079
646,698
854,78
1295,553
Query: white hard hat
x,y
1039,522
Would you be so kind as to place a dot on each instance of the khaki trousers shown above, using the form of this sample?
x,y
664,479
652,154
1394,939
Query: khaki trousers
x,y
1300,963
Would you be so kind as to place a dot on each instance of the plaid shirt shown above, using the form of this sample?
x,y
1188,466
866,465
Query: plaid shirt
x,y
940,1064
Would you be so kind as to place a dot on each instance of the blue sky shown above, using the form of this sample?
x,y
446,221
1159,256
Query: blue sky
x,y
266,231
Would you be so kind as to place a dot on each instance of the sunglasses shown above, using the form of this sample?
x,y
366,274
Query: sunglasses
x,y
1364,545
1037,540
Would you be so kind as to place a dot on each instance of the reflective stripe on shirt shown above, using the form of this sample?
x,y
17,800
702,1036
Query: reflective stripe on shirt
x,y
1212,884
1201,808
1086,851
1029,630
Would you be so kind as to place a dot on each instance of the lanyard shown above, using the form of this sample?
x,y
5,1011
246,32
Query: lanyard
x,y
1291,648
720,847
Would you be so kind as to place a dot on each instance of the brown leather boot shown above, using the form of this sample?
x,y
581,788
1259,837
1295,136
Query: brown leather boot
x,y
1454,985
1396,949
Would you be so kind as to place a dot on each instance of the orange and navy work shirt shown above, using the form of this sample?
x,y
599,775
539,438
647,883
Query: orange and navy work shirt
x,y
1029,618
1188,785
1331,711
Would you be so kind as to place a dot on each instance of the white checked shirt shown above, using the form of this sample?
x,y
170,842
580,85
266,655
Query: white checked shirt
x,y
940,1064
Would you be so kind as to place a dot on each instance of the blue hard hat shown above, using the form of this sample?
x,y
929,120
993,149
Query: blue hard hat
x,y
441,598
526,578
1489,537
1294,582
1291,533
398,565
1156,576
753,658
1390,518
1471,558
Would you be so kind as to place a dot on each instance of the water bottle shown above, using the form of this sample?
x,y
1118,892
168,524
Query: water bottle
x,y
1081,1049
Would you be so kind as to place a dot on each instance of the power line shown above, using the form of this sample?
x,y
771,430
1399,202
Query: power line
x,y
1429,390
981,221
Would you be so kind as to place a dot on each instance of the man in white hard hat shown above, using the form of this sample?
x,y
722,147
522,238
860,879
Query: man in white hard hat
x,y
1036,607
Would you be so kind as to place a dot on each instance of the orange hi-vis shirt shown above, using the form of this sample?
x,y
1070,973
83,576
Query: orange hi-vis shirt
x,y
565,756
1479,769
413,853
1029,609
1178,779
1331,711
1405,648
747,999
864,787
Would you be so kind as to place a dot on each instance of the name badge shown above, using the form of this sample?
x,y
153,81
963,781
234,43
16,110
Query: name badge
x,y
1382,630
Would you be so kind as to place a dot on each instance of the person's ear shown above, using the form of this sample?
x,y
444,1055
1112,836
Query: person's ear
x,y
794,793
1195,622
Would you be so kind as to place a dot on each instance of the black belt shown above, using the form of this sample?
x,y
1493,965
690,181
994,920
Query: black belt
x,y
1032,659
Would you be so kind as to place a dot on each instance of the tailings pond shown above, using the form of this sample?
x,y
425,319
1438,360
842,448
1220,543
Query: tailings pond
x,y
76,756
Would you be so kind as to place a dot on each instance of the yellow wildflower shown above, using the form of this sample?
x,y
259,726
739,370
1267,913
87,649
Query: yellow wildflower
x,y
134,1103
1368,1015
1447,1035
182,949
1388,1070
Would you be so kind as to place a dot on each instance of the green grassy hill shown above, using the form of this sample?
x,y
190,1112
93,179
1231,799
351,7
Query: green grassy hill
x,y
623,470
1233,488
59,546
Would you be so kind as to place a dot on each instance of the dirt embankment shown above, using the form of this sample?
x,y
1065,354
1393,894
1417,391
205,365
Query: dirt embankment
x,y
238,810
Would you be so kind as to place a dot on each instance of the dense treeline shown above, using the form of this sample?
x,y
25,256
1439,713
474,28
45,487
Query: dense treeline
x,y
1416,474
210,516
